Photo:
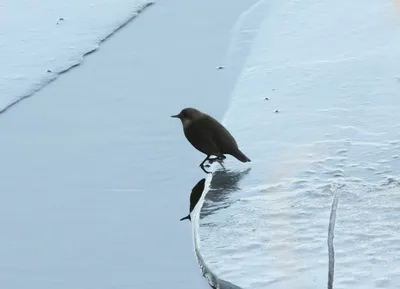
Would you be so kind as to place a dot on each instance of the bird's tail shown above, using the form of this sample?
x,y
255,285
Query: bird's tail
x,y
241,156
187,217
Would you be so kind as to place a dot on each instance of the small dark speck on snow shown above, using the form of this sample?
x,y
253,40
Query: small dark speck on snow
x,y
48,70
276,111
220,67
266,98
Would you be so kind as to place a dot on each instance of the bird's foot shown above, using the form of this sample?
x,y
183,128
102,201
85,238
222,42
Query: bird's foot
x,y
218,159
210,161
204,170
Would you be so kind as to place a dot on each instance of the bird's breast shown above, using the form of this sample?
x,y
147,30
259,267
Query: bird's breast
x,y
186,123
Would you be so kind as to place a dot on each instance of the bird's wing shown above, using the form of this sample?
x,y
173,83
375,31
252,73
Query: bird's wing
x,y
201,138
220,135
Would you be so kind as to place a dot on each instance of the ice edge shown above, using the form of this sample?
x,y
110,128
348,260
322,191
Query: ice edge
x,y
217,282
212,278
45,82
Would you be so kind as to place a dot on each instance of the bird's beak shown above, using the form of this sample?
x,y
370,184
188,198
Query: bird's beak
x,y
176,116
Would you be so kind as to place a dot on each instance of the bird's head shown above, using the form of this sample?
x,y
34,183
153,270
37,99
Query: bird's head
x,y
187,115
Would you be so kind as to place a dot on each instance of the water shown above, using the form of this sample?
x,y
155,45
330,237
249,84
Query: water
x,y
92,184
38,41
330,127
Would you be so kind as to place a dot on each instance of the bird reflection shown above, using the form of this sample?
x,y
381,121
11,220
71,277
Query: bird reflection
x,y
195,196
223,183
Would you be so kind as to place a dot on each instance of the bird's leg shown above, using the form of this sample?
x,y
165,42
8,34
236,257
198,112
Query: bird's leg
x,y
221,159
211,160
202,163
204,170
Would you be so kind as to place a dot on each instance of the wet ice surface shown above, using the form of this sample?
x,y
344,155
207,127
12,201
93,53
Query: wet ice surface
x,y
331,69
92,185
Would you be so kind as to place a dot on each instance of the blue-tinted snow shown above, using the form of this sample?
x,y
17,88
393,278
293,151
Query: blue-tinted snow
x,y
39,40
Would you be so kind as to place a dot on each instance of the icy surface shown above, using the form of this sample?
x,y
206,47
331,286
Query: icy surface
x,y
39,40
331,125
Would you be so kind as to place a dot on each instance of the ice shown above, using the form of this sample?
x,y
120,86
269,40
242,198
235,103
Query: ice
x,y
41,39
330,127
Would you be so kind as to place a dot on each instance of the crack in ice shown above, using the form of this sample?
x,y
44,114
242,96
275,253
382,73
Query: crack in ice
x,y
331,235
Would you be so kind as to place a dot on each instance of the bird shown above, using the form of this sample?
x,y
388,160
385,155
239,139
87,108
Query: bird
x,y
195,196
208,136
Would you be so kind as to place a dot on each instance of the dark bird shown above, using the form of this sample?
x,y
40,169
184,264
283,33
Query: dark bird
x,y
210,137
195,196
